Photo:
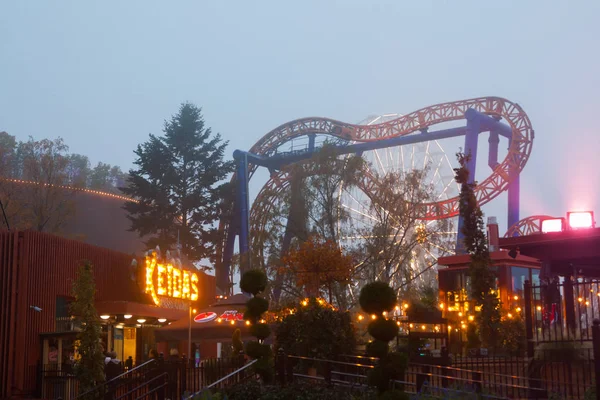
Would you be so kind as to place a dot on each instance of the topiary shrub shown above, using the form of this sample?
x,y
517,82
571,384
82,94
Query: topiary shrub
x,y
261,331
254,281
255,307
377,349
377,297
383,329
236,341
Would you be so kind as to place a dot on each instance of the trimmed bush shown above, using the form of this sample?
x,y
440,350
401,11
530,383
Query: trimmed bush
x,y
253,281
255,307
254,349
261,331
377,349
377,297
383,329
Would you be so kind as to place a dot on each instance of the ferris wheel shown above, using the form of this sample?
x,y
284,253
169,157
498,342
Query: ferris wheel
x,y
363,215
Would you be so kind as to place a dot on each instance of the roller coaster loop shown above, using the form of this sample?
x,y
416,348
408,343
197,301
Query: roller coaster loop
x,y
495,115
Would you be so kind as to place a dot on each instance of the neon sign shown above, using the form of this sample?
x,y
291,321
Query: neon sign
x,y
165,280
227,316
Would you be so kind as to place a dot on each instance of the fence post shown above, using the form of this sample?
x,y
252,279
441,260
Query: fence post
x,y
569,306
596,344
476,376
281,357
529,318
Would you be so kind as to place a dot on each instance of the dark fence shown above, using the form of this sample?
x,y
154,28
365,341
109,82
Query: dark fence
x,y
563,311
180,377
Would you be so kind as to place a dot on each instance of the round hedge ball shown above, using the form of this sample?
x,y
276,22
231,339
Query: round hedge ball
x,y
261,331
378,349
255,307
254,349
253,281
383,329
377,297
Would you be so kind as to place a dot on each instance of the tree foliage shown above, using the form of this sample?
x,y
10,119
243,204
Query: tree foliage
x,y
317,331
178,184
46,201
318,263
89,369
482,276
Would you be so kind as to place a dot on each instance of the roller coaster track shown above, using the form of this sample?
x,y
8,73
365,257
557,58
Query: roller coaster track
x,y
527,226
518,129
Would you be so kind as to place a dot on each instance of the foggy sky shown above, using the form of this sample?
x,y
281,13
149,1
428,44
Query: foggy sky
x,y
103,75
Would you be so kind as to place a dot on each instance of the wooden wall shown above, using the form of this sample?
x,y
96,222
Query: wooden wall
x,y
35,268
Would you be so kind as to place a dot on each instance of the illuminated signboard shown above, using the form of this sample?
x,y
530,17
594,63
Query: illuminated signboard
x,y
165,280
227,316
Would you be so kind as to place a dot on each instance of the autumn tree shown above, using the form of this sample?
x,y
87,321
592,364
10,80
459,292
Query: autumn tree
x,y
482,276
318,263
48,205
78,170
178,185
398,244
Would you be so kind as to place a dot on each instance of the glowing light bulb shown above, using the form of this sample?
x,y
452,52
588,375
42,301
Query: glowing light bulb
x,y
127,316
373,316
516,297
360,317
539,308
471,318
248,323
232,322
104,317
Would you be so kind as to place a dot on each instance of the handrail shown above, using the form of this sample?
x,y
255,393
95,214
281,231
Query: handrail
x,y
115,378
222,379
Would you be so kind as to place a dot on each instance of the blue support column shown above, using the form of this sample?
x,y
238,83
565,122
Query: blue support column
x,y
493,149
471,139
514,189
243,203
311,142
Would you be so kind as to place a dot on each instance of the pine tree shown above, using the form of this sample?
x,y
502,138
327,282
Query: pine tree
x,y
483,278
178,185
90,366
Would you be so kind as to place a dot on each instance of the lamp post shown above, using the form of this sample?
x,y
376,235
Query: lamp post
x,y
190,332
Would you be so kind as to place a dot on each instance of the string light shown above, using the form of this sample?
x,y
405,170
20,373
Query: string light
x,y
471,318
304,303
442,306
518,309
460,314
360,317
67,187
373,316
539,308
580,299
247,323
423,327
516,297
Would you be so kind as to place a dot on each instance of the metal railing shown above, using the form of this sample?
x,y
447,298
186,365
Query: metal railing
x,y
232,378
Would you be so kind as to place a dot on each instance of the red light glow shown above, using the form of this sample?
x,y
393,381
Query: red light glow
x,y
552,225
581,219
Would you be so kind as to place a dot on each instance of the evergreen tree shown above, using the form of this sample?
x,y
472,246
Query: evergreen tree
x,y
178,185
483,278
90,366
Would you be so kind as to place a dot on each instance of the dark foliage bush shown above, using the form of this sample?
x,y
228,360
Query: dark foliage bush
x,y
255,307
316,331
253,391
383,329
258,350
377,297
261,331
254,281
377,349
